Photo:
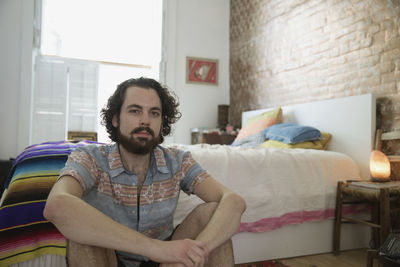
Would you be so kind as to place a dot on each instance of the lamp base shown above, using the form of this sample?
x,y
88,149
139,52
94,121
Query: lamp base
x,y
380,180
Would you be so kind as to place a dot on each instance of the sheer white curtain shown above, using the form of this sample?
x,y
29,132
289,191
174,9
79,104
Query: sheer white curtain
x,y
123,31
64,99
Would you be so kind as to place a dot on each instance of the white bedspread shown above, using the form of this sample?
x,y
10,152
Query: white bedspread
x,y
280,186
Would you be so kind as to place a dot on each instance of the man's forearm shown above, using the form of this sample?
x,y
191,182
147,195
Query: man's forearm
x,y
225,222
84,224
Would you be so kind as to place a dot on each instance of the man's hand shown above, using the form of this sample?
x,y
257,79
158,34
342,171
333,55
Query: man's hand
x,y
182,253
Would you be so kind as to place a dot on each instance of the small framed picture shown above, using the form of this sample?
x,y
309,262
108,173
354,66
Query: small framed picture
x,y
78,136
202,71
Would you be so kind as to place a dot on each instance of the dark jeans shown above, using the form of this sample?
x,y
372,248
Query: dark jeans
x,y
143,264
149,264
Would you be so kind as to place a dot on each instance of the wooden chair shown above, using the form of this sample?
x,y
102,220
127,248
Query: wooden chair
x,y
380,200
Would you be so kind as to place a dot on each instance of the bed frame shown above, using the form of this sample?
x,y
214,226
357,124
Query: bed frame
x,y
351,121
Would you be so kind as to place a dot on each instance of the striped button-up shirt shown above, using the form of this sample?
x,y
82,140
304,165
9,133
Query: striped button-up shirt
x,y
112,189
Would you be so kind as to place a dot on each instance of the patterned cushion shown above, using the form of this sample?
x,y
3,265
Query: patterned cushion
x,y
260,122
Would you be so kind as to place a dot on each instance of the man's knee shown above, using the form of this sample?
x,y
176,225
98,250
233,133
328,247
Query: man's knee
x,y
79,255
195,222
205,211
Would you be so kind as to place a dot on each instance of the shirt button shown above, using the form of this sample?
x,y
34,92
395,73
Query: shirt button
x,y
134,211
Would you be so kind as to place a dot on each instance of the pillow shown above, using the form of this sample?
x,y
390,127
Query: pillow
x,y
260,122
250,141
274,113
317,144
291,133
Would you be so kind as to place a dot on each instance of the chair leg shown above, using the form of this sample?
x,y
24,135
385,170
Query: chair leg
x,y
384,210
375,231
371,255
338,219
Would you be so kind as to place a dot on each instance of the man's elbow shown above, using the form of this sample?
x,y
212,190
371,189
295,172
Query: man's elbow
x,y
53,208
239,202
242,204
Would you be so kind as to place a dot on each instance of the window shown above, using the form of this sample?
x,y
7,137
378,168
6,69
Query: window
x,y
121,31
88,48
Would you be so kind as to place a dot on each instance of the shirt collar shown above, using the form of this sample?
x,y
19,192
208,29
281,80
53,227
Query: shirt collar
x,y
116,166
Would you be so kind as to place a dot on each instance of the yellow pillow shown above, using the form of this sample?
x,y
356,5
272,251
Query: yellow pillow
x,y
319,144
275,113
260,122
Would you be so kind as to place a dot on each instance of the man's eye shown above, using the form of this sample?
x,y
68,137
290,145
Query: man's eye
x,y
134,111
156,114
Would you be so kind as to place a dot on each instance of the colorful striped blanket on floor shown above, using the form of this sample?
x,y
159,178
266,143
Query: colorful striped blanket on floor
x,y
24,232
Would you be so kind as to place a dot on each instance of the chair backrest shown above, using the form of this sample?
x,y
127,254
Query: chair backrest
x,y
387,136
378,140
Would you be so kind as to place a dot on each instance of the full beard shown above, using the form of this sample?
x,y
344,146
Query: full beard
x,y
139,145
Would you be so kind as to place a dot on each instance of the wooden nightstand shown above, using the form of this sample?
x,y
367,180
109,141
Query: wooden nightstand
x,y
211,136
215,138
380,199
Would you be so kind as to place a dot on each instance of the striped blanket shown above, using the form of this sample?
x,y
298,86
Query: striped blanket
x,y
24,232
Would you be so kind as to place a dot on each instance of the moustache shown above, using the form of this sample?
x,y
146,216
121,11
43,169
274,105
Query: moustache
x,y
143,129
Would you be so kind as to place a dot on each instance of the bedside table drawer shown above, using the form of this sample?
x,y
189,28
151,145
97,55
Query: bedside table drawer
x,y
222,139
211,137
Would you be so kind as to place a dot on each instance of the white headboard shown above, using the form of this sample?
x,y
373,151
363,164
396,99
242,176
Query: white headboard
x,y
350,120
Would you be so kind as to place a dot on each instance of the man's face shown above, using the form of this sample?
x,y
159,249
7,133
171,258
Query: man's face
x,y
140,120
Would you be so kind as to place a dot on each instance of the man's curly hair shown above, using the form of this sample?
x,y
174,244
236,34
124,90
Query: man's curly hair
x,y
169,106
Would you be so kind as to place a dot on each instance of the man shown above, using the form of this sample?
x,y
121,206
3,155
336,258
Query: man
x,y
121,197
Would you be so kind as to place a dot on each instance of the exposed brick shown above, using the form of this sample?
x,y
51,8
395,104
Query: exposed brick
x,y
345,35
287,52
370,82
379,38
387,25
377,48
369,62
382,15
378,6
393,43
388,79
390,55
334,52
361,5
374,28
388,88
366,52
387,68
344,48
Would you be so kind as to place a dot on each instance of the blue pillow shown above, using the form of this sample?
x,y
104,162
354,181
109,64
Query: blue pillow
x,y
291,133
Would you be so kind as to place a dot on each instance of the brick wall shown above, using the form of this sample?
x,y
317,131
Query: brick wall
x,y
294,51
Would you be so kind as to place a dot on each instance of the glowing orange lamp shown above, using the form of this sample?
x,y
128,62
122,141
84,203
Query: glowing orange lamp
x,y
379,166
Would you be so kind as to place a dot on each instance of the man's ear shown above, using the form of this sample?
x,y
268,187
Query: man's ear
x,y
115,121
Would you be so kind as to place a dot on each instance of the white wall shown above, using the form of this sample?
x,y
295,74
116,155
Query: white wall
x,y
16,31
197,28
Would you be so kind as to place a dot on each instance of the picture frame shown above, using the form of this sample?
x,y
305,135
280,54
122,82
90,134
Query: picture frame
x,y
79,136
202,71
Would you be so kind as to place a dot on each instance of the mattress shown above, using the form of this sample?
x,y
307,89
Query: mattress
x,y
280,186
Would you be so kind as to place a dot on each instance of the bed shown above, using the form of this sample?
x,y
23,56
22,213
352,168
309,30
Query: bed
x,y
290,193
289,217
